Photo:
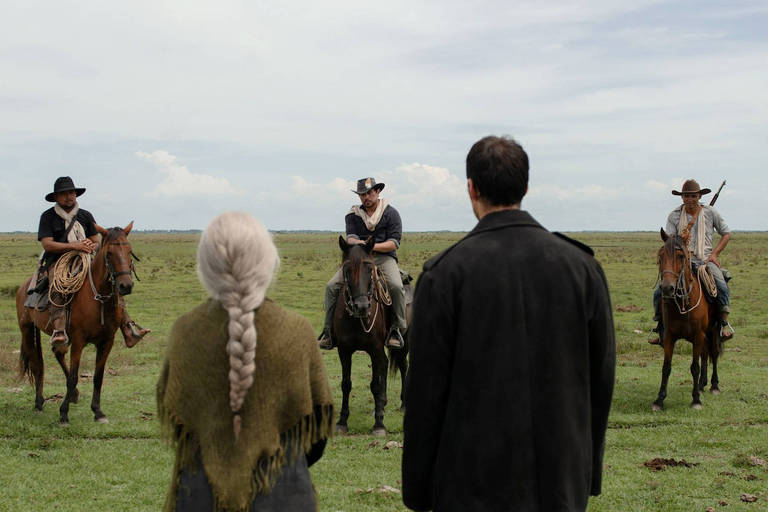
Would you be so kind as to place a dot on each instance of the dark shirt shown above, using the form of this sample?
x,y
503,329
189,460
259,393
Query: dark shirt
x,y
51,225
390,227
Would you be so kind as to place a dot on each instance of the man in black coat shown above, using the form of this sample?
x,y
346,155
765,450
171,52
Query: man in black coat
x,y
512,359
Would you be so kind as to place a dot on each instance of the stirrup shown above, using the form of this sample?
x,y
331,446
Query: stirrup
x,y
136,330
62,343
729,331
395,339
324,341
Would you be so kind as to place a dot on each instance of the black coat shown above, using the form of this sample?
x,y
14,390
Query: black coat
x,y
512,368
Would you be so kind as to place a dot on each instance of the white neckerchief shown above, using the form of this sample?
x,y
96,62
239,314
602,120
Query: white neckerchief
x,y
370,220
77,232
698,250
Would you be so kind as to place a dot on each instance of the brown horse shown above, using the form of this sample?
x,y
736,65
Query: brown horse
x,y
686,314
95,315
360,322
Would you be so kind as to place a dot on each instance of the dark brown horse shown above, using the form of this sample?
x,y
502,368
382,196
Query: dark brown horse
x,y
686,314
360,322
95,315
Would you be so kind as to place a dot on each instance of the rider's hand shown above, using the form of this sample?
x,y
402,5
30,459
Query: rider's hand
x,y
85,246
713,258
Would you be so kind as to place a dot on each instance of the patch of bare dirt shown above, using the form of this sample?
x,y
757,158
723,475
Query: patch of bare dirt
x,y
660,464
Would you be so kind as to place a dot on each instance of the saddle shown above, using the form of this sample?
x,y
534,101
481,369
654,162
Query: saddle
x,y
711,297
407,278
37,293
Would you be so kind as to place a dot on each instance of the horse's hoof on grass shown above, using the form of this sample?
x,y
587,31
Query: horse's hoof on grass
x,y
341,429
402,409
714,391
64,424
379,432
103,419
656,407
696,407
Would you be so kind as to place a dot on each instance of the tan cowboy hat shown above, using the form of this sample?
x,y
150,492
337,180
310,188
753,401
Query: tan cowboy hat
x,y
691,187
366,184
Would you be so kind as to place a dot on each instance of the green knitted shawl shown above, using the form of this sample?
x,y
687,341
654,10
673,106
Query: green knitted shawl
x,y
290,390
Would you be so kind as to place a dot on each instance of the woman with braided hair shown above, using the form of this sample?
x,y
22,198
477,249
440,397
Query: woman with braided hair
x,y
243,393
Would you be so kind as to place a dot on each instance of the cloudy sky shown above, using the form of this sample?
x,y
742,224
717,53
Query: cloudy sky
x,y
170,112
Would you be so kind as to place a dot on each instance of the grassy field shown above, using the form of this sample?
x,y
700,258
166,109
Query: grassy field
x,y
123,465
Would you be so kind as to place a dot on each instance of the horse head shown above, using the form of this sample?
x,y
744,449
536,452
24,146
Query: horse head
x,y
673,261
357,265
116,253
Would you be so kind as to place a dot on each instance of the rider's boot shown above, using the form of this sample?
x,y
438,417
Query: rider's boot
x,y
659,329
325,340
726,331
59,337
132,332
395,339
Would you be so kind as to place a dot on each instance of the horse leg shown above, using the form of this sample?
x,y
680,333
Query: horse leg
x,y
76,350
714,388
379,390
695,369
345,357
102,352
402,365
666,369
704,369
32,360
61,358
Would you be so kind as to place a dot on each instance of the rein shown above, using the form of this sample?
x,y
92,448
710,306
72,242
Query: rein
x,y
377,292
680,295
111,277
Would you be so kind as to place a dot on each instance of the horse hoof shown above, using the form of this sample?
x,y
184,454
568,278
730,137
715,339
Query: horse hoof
x,y
341,429
696,407
714,391
103,419
64,424
379,432
656,407
402,409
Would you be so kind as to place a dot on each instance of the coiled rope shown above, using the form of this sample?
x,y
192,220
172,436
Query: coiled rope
x,y
68,276
707,280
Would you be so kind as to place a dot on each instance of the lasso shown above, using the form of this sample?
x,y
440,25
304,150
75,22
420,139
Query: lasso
x,y
68,275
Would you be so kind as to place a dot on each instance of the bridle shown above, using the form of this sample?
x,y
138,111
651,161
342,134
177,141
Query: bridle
x,y
682,290
111,275
377,292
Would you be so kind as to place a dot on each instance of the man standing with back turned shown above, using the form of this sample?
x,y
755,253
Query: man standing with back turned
x,y
512,359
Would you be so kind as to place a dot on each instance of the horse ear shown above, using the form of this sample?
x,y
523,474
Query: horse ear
x,y
101,229
369,244
664,235
128,228
343,244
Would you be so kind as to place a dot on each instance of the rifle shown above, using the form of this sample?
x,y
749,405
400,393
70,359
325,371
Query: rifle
x,y
712,202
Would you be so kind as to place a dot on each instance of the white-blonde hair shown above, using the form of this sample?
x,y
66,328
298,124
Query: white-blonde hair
x,y
236,261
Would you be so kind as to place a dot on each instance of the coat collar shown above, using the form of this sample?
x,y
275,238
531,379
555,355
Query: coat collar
x,y
504,219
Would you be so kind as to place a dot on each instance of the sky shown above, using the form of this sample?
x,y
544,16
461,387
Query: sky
x,y
170,112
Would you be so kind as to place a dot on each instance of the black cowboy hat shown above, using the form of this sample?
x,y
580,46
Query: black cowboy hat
x,y
691,187
366,184
63,184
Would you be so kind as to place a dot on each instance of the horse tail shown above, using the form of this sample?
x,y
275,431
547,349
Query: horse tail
x,y
33,337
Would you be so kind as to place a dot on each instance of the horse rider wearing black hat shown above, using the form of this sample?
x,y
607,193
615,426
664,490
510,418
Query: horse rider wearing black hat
x,y
701,221
67,227
376,218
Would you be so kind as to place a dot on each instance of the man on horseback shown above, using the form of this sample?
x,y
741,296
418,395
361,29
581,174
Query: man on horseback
x,y
700,221
67,227
376,218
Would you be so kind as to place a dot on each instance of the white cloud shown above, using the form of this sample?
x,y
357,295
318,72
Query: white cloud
x,y
179,181
426,179
583,193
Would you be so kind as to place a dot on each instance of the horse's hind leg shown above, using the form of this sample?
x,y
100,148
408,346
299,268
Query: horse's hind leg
x,y
379,390
703,373
31,359
102,352
402,365
714,388
345,357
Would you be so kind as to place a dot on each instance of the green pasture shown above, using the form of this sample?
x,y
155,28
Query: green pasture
x,y
124,466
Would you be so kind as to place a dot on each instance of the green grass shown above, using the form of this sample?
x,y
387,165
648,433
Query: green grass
x,y
123,465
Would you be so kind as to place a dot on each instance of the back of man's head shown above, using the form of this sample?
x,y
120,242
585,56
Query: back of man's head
x,y
498,168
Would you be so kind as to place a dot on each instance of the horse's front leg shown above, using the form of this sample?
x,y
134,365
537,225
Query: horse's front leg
x,y
102,352
345,357
695,369
379,390
666,369
76,351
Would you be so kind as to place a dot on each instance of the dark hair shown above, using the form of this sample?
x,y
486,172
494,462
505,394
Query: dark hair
x,y
498,168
